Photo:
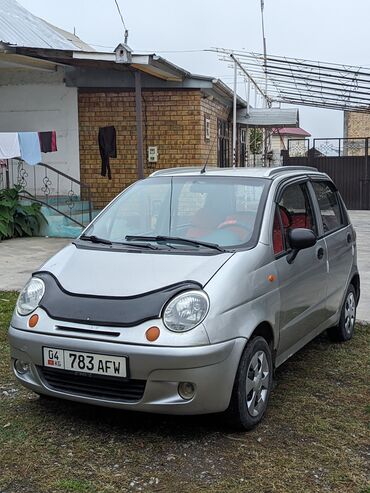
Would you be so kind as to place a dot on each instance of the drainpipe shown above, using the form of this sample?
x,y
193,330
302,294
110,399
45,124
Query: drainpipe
x,y
139,126
234,113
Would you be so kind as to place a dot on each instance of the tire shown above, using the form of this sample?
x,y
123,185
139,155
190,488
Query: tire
x,y
345,328
252,386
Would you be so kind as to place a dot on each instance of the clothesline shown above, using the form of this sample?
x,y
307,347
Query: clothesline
x,y
27,145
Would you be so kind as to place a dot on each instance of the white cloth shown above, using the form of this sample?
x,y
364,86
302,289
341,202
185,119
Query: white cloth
x,y
9,145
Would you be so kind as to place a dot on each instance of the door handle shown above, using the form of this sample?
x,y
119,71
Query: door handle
x,y
349,238
320,253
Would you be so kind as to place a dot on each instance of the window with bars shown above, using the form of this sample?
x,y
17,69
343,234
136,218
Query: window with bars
x,y
223,157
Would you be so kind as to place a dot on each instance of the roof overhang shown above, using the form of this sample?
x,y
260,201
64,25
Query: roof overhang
x,y
10,60
150,64
269,117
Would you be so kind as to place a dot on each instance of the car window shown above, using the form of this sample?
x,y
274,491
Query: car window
x,y
293,211
212,209
139,213
330,210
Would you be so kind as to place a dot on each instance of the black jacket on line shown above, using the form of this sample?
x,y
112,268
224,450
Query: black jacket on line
x,y
108,148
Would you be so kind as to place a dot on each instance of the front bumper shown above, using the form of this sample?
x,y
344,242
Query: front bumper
x,y
211,368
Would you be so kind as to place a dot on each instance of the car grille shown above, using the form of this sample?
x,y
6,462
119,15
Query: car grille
x,y
99,386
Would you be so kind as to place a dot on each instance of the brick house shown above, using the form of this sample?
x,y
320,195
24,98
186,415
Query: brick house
x,y
186,118
155,106
356,124
182,124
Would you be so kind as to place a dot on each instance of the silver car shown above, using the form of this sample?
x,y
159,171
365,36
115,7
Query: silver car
x,y
188,290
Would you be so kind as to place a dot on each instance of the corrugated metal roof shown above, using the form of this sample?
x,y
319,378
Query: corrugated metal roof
x,y
269,117
21,28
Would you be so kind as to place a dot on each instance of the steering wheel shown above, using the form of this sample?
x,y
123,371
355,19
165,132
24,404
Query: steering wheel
x,y
236,224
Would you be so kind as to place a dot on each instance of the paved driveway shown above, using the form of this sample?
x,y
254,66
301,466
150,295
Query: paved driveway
x,y
361,222
22,256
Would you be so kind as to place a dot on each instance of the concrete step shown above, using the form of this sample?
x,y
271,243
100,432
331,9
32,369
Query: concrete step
x,y
59,226
80,206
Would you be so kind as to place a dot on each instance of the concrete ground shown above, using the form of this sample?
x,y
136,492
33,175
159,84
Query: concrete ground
x,y
22,256
361,222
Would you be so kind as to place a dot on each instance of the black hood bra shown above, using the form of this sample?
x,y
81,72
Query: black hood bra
x,y
106,311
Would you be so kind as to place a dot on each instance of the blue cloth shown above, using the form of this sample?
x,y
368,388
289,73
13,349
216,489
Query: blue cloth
x,y
29,143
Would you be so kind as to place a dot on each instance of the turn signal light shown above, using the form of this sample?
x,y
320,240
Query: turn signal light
x,y
33,321
152,334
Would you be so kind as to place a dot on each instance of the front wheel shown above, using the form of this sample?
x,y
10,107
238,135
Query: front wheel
x,y
344,330
252,385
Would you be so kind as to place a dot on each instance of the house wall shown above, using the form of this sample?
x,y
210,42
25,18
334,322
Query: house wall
x,y
356,125
279,143
214,110
173,120
33,100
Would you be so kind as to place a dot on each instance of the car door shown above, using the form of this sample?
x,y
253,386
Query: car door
x,y
303,283
339,238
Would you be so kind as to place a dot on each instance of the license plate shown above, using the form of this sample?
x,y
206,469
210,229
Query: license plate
x,y
98,364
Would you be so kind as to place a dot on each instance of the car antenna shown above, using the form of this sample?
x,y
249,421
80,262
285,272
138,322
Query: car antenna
x,y
203,170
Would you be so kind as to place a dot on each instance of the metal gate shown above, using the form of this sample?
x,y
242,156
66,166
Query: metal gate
x,y
346,161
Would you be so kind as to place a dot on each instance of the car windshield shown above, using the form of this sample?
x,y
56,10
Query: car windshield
x,y
184,213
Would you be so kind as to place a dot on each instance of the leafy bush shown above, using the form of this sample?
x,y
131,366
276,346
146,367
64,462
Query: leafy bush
x,y
17,219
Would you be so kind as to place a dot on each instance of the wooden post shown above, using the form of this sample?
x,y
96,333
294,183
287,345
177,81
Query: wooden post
x,y
139,126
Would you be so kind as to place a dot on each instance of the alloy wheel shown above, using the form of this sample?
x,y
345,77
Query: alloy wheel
x,y
349,313
257,382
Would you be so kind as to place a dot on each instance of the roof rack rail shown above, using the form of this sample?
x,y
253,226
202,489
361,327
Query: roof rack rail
x,y
282,169
178,169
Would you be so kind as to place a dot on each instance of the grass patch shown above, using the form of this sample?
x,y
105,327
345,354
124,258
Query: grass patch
x,y
72,485
314,438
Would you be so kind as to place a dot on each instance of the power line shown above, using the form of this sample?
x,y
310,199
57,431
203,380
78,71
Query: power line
x,y
123,21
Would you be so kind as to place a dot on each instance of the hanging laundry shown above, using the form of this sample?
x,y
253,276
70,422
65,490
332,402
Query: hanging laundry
x,y
9,145
108,148
48,141
30,147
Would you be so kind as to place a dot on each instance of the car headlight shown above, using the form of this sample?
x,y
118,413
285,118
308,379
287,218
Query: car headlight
x,y
186,311
30,296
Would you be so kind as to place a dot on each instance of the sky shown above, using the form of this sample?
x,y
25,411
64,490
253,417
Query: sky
x,y
326,30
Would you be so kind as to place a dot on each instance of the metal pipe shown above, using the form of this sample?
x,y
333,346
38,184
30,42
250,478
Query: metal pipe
x,y
234,113
7,178
249,76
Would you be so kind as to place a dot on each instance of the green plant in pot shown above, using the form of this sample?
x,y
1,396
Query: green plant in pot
x,y
17,219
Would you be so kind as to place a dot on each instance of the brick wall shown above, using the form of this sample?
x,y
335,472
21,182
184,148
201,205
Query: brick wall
x,y
172,120
214,110
356,124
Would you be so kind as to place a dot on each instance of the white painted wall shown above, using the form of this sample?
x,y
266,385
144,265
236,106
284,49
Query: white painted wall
x,y
34,100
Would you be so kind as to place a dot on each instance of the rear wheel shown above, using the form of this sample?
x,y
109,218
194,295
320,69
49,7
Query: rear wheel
x,y
252,386
344,330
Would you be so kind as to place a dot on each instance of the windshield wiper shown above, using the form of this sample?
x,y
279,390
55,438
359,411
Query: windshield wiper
x,y
95,239
138,245
103,241
174,239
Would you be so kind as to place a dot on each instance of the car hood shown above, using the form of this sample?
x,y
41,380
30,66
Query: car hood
x,y
121,273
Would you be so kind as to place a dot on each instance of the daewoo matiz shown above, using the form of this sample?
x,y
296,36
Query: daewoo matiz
x,y
188,290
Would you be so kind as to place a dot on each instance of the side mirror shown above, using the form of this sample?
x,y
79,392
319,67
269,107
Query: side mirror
x,y
300,239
